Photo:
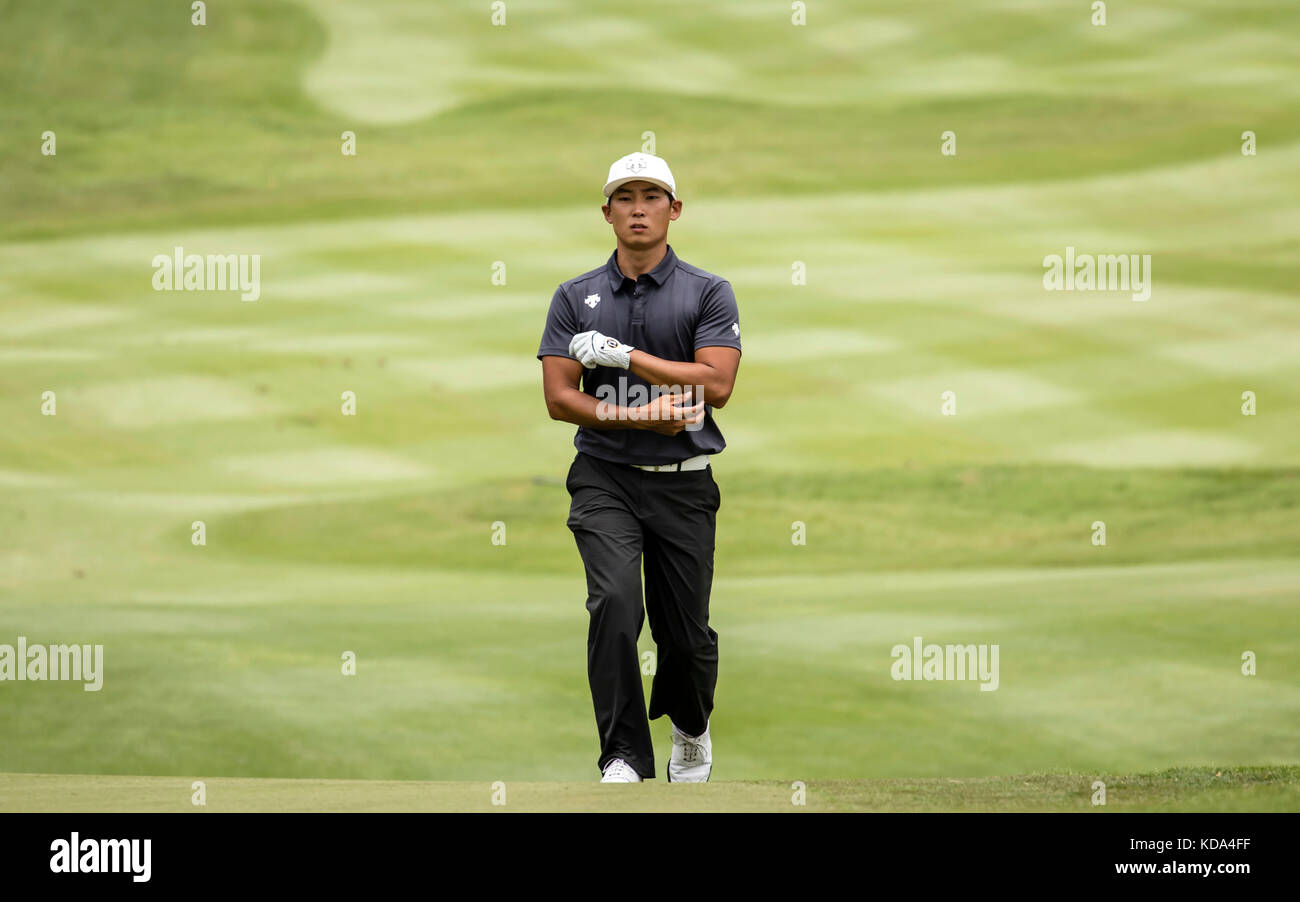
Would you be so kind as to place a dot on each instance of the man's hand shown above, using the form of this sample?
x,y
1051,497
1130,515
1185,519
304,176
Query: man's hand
x,y
595,349
667,414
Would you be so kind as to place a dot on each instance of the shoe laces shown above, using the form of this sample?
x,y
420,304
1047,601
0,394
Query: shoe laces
x,y
693,747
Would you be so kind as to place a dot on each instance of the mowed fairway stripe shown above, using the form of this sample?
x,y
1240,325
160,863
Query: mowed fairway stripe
x,y
976,392
324,466
1164,448
164,400
46,318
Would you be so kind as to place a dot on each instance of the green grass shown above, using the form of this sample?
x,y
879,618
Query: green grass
x,y
1249,789
819,144
881,519
163,123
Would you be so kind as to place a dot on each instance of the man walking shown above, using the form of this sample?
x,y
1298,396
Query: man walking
x,y
655,344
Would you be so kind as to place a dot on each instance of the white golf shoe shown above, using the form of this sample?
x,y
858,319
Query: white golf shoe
x,y
619,771
692,759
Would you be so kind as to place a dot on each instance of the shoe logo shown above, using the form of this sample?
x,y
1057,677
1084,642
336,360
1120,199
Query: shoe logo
x,y
592,300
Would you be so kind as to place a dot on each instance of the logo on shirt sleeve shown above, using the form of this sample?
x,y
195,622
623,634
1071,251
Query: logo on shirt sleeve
x,y
592,300
735,328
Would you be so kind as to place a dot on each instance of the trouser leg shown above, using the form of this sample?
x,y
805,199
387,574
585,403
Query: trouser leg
x,y
609,539
679,544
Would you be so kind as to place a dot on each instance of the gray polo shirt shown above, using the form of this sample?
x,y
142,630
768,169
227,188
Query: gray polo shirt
x,y
668,312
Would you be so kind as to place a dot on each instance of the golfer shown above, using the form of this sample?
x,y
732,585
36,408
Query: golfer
x,y
638,353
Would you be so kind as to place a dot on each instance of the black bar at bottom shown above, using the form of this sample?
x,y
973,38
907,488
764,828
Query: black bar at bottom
x,y
930,851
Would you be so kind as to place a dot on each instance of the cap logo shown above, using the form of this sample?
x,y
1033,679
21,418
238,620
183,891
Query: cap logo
x,y
636,164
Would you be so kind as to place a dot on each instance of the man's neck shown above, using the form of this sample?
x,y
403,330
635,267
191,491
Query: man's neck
x,y
635,263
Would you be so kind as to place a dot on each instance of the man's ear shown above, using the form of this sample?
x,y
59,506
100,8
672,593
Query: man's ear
x,y
604,208
676,210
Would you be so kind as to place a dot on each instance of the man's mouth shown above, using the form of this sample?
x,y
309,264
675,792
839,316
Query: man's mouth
x,y
638,227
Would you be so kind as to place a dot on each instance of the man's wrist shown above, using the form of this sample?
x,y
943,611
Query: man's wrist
x,y
614,414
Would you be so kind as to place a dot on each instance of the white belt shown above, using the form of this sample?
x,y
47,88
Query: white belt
x,y
699,462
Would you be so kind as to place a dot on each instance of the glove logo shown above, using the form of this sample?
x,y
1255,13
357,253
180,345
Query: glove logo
x,y
611,343
592,300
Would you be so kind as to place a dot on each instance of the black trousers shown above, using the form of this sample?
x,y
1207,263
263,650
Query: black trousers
x,y
619,516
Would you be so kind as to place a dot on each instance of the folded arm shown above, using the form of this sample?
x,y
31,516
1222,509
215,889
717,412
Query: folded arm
x,y
561,378
714,368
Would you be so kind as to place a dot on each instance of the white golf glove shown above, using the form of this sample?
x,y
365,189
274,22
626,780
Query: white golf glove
x,y
595,349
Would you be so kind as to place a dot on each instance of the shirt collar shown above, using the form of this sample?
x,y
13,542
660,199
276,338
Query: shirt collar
x,y
658,275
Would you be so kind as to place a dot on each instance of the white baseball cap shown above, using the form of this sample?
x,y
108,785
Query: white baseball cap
x,y
641,167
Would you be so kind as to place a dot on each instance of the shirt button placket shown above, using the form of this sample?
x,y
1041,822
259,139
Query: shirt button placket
x,y
638,303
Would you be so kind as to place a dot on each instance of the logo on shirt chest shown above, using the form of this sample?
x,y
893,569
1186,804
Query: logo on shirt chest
x,y
592,300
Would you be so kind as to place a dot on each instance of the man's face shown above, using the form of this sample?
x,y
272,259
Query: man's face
x,y
640,213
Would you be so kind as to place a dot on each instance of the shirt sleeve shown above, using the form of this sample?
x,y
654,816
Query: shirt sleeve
x,y
719,322
561,325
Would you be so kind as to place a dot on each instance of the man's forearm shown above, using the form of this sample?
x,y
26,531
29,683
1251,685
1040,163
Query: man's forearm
x,y
581,409
658,371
